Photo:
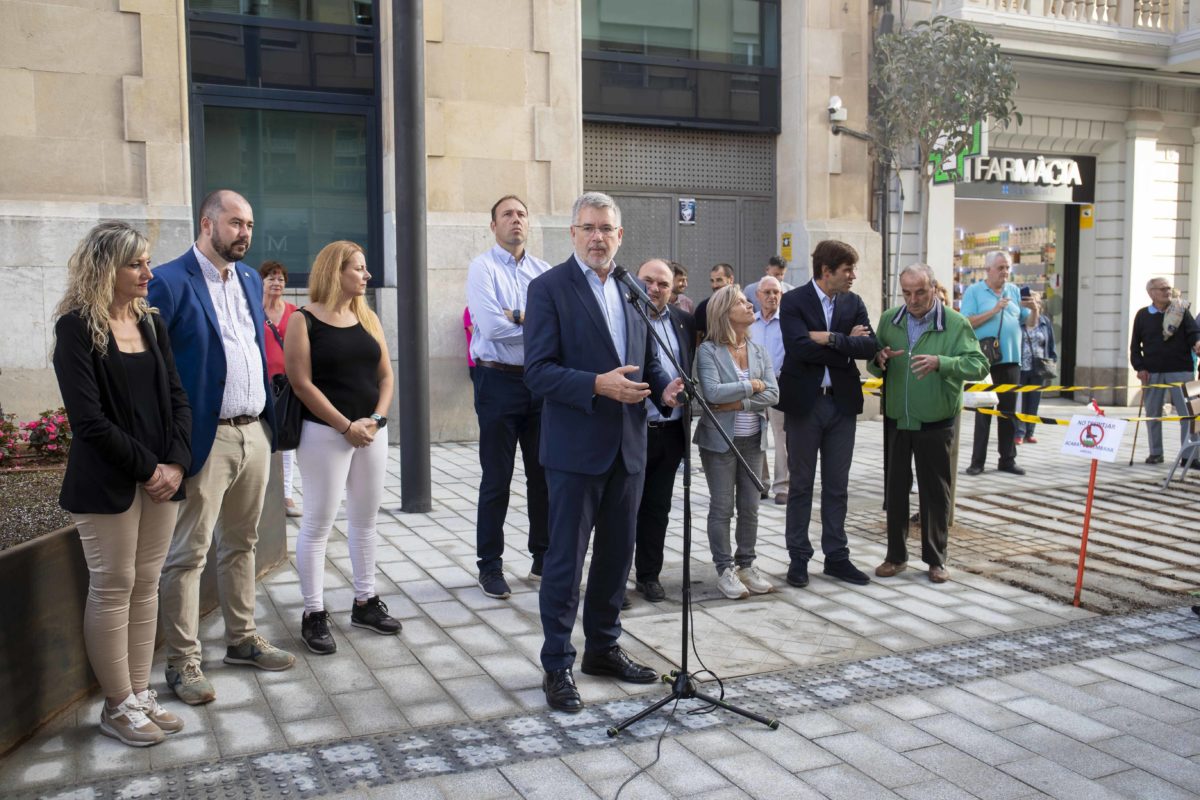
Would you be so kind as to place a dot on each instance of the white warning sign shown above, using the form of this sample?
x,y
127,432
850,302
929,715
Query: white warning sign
x,y
1094,437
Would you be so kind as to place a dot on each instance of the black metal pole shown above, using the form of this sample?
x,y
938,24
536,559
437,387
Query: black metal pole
x,y
412,317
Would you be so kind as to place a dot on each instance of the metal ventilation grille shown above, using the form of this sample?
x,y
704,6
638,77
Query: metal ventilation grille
x,y
633,157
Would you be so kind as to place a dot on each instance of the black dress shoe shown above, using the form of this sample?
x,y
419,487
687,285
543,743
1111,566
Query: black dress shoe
x,y
626,602
614,663
798,574
843,570
652,590
561,693
1154,459
1011,468
974,469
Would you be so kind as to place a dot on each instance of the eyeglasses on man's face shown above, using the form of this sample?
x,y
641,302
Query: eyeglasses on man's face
x,y
607,231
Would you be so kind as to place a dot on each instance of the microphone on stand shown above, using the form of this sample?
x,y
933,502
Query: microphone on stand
x,y
636,292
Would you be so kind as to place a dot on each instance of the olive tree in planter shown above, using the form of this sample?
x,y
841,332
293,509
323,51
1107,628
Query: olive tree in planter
x,y
930,84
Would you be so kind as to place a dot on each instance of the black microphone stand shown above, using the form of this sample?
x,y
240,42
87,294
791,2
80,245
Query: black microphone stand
x,y
683,686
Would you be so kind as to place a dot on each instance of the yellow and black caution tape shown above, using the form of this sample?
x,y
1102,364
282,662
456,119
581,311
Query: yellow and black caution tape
x,y
991,412
874,383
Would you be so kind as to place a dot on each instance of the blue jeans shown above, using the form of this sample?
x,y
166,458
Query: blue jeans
x,y
727,481
1154,403
1029,403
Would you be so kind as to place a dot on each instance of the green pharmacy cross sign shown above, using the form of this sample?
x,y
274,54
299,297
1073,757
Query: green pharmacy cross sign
x,y
976,146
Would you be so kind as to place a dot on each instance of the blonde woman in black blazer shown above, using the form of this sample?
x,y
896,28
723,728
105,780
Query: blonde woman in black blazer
x,y
131,424
736,377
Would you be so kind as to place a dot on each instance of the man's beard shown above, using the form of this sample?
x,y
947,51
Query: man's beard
x,y
226,251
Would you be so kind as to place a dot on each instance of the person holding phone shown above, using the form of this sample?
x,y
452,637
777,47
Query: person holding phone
x,y
1037,344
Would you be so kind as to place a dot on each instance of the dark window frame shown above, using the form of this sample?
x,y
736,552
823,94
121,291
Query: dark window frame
x,y
201,95
769,120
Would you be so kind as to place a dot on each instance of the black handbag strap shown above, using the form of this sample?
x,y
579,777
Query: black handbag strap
x,y
274,330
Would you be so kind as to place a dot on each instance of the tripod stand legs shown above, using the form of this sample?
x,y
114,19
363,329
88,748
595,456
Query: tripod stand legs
x,y
684,688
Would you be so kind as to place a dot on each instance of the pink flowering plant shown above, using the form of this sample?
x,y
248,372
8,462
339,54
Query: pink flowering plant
x,y
49,434
10,437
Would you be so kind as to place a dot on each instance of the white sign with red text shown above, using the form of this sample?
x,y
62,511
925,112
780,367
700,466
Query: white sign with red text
x,y
1093,437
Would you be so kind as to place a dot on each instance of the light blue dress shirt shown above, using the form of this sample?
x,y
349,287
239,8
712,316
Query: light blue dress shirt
x,y
496,281
665,327
612,305
768,333
827,307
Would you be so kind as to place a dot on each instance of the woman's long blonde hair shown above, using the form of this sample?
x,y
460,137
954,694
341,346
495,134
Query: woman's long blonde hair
x,y
325,284
720,304
92,275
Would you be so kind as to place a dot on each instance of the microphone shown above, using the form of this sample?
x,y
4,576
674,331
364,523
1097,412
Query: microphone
x,y
636,292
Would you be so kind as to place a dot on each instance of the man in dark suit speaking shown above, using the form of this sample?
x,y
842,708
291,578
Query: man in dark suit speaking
x,y
825,328
590,358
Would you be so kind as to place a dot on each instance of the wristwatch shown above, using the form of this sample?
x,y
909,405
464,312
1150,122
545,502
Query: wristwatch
x,y
380,420
517,316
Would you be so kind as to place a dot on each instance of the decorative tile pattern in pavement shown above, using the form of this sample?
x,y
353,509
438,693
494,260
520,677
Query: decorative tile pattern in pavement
x,y
385,759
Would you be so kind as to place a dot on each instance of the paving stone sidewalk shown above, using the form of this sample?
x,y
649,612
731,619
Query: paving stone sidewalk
x,y
467,660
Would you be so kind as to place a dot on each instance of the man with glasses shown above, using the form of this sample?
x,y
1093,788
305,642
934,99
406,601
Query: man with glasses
x,y
1162,355
497,283
591,359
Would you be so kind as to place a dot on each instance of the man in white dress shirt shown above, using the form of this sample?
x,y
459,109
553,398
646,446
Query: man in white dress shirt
x,y
766,331
509,414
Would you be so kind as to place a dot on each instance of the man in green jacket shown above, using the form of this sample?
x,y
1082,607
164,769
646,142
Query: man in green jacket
x,y
928,352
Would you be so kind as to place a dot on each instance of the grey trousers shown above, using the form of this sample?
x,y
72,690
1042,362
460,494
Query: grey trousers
x,y
729,483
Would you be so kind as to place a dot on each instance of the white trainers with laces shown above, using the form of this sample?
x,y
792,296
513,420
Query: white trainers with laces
x,y
753,580
128,723
168,722
731,586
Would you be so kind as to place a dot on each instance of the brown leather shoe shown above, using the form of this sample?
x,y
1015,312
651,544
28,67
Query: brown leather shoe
x,y
938,574
889,570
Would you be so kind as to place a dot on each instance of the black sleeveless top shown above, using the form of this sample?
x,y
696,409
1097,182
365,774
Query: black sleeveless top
x,y
141,370
345,367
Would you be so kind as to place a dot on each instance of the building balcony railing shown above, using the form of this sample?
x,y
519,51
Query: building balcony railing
x,y
1148,33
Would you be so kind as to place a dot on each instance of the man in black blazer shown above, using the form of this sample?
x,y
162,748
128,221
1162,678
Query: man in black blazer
x,y
665,435
825,328
591,359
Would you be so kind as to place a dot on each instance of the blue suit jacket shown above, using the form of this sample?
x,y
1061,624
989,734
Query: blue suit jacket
x,y
567,345
179,293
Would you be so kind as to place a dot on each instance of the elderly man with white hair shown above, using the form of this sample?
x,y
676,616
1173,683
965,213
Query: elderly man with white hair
x,y
1161,351
995,310
928,351
766,331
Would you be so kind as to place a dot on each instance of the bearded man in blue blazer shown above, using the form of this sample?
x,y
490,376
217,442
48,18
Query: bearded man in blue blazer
x,y
211,304
590,357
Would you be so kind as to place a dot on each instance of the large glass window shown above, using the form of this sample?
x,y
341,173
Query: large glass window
x,y
305,175
285,108
714,63
332,12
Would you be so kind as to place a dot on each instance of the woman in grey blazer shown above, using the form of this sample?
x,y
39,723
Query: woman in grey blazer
x,y
736,377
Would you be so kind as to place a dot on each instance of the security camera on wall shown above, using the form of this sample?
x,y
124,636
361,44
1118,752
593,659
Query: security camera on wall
x,y
837,113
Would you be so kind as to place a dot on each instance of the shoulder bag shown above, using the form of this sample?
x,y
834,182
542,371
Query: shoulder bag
x,y
991,345
1043,369
288,408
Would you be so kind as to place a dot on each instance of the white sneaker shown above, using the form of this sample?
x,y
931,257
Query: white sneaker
x,y
731,586
753,580
128,723
168,722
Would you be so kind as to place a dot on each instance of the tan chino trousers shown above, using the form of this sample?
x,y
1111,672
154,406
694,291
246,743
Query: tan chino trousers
x,y
224,501
124,554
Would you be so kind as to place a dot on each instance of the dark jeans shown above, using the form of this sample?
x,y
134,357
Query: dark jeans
x,y
608,502
508,414
1030,402
931,450
1006,430
664,451
824,429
